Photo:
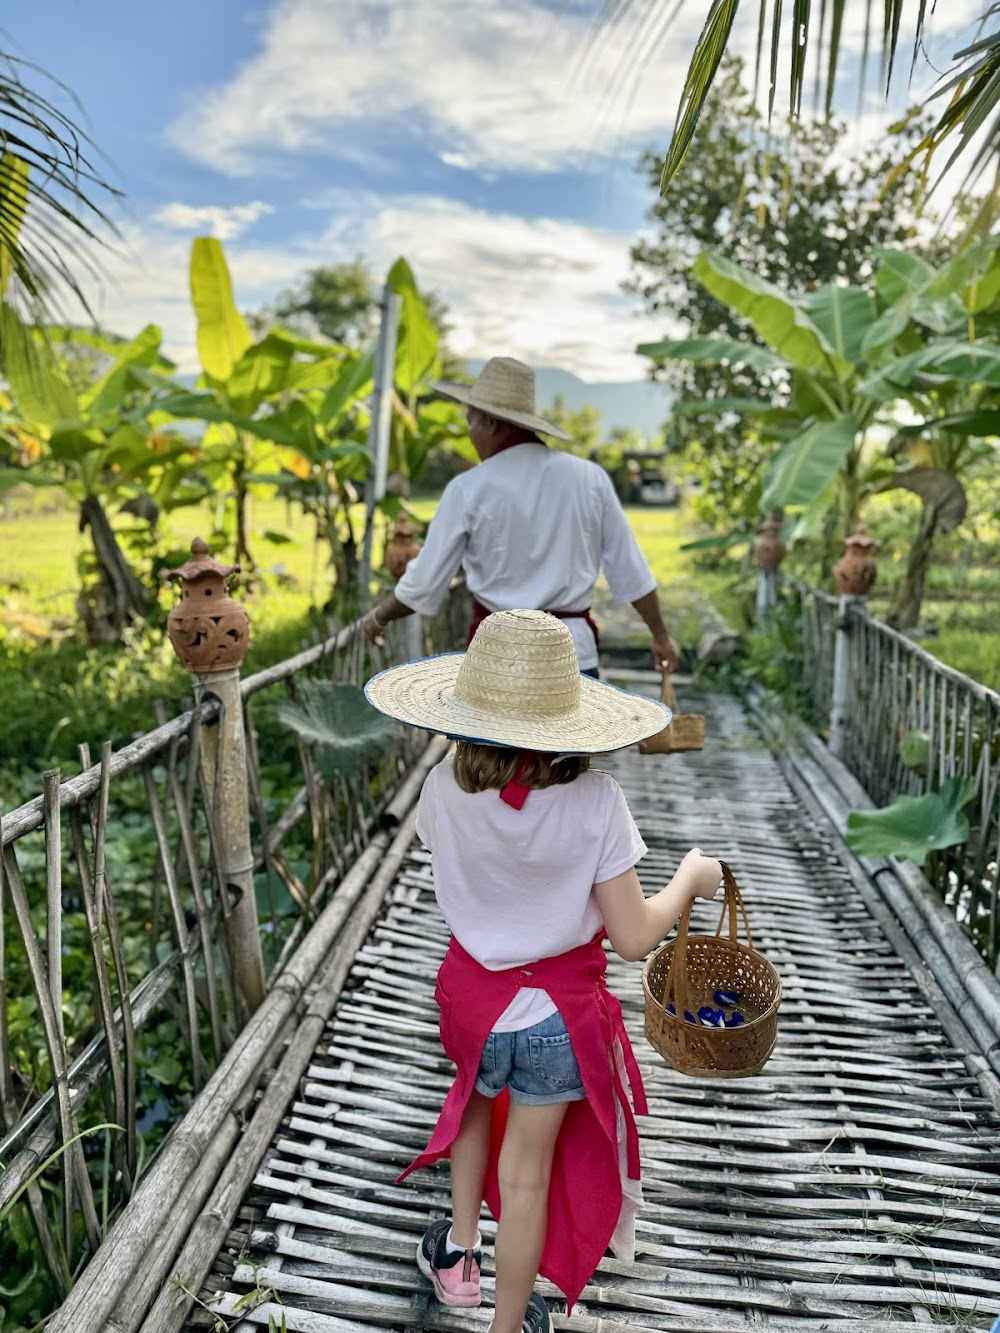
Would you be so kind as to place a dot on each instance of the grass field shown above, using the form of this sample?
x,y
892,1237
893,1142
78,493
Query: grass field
x,y
59,692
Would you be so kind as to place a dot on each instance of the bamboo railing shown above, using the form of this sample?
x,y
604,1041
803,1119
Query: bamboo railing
x,y
88,1072
897,689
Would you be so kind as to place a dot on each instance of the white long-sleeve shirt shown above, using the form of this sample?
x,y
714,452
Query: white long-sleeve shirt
x,y
533,528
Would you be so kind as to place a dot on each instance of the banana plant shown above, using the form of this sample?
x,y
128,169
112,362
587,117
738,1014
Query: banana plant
x,y
837,362
244,391
90,433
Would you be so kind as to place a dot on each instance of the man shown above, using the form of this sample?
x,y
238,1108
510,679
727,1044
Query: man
x,y
533,527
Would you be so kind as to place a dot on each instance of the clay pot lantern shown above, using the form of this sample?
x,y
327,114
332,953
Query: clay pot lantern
x,y
209,630
769,549
854,573
401,547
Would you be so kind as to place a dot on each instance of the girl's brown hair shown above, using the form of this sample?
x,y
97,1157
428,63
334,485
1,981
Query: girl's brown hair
x,y
481,767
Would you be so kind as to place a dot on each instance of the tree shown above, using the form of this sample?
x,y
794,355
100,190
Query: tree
x,y
336,301
847,356
95,439
782,204
341,302
969,91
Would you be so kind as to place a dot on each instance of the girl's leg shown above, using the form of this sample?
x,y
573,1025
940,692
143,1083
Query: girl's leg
x,y
524,1169
468,1170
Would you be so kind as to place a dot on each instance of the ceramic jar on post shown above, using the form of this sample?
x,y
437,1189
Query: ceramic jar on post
x,y
855,571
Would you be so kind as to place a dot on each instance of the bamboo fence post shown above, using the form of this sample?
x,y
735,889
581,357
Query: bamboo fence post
x,y
109,1277
208,630
843,685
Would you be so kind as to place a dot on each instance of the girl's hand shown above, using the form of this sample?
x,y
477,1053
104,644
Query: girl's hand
x,y
703,874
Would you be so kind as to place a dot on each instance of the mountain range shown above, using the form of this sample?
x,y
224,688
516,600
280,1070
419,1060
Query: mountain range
x,y
638,405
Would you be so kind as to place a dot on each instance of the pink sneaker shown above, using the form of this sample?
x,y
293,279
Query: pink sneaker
x,y
455,1275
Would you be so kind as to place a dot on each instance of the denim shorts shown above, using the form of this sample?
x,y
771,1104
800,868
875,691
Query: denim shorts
x,y
537,1064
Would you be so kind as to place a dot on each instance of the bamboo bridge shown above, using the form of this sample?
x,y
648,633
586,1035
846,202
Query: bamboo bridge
x,y
853,1184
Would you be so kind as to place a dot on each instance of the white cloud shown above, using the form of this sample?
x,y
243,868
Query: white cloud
x,y
517,86
510,86
224,223
543,289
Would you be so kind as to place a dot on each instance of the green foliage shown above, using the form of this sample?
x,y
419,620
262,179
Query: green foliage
x,y
913,826
781,203
915,750
339,722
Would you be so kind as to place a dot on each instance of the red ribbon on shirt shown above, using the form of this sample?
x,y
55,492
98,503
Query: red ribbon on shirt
x,y
516,791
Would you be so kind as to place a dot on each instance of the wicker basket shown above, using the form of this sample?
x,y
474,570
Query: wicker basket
x,y
681,733
687,972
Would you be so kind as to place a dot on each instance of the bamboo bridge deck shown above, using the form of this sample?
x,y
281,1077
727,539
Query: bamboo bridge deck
x,y
854,1184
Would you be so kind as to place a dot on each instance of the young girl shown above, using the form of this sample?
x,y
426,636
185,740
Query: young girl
x,y
533,855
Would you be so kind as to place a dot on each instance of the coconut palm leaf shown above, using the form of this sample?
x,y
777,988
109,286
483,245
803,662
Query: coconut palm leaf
x,y
339,722
52,198
971,85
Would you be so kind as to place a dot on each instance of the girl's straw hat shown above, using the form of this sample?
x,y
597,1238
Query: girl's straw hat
x,y
518,685
505,389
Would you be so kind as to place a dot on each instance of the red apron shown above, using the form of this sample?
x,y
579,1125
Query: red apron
x,y
585,1194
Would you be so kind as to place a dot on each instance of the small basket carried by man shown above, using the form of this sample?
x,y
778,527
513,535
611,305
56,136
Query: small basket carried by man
x,y
711,1001
685,731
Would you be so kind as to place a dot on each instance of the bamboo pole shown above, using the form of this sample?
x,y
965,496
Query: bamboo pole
x,y
106,1281
105,1002
180,929
207,1230
223,754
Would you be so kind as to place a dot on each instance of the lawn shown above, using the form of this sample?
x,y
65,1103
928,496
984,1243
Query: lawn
x,y
59,693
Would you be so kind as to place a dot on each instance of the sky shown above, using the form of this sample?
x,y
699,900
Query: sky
x,y
494,145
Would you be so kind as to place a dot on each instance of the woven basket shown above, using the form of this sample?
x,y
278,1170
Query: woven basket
x,y
682,732
687,972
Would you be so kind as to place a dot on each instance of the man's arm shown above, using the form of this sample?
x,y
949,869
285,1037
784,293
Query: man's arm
x,y
626,570
389,609
666,654
428,576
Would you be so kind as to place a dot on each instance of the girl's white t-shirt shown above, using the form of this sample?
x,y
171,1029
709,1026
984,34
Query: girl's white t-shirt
x,y
515,886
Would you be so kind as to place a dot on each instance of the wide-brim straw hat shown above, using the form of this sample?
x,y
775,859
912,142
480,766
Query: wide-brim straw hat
x,y
505,389
518,685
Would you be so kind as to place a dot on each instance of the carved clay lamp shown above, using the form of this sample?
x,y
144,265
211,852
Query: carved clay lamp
x,y
854,573
401,547
769,549
209,630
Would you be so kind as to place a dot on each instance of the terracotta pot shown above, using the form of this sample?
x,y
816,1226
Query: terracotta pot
x,y
769,549
401,547
209,630
854,573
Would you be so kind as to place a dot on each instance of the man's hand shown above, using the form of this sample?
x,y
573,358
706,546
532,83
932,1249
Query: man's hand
x,y
373,629
666,653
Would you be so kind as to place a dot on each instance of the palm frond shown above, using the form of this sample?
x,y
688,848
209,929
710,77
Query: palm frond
x,y
973,82
53,199
338,721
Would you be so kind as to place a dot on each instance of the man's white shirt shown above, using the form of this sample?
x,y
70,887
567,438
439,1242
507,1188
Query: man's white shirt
x,y
532,528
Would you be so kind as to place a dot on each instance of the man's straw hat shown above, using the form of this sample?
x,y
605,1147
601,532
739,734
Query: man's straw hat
x,y
518,685
505,389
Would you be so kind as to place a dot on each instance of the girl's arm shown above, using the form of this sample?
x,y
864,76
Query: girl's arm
x,y
636,924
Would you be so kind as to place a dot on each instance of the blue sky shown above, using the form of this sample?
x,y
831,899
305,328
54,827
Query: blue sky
x,y
476,138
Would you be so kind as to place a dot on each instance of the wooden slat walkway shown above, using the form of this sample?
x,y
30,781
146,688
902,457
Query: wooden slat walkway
x,y
855,1184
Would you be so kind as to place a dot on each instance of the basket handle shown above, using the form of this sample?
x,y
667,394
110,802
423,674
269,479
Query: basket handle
x,y
732,903
667,695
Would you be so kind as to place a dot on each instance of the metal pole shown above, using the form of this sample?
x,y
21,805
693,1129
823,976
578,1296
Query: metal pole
x,y
840,709
767,594
378,430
